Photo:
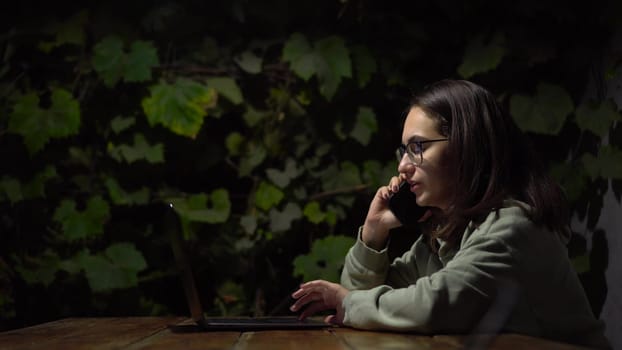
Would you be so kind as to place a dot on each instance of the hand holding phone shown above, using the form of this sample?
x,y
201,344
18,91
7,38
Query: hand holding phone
x,y
404,206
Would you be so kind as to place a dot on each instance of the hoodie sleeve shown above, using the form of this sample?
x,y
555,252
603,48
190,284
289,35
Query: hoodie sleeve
x,y
367,268
451,299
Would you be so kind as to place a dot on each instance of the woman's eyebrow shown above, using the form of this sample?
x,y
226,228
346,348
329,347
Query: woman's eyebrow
x,y
414,138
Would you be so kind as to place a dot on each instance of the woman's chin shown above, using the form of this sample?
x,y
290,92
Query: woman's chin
x,y
421,201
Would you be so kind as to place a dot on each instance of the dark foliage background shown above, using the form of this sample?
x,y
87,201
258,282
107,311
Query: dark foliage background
x,y
269,125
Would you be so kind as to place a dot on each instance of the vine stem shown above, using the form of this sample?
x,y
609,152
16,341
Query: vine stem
x,y
357,188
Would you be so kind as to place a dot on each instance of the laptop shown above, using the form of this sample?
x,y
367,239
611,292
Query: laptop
x,y
203,323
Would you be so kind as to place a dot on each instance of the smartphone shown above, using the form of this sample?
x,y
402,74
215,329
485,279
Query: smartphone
x,y
404,206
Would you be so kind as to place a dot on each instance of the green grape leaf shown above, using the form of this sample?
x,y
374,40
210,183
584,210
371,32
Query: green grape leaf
x,y
180,106
611,162
41,269
153,154
372,170
120,197
592,165
314,213
252,117
83,157
282,220
234,143
109,60
573,178
339,132
230,299
299,53
325,259
296,46
64,114
480,57
328,59
303,143
115,192
139,150
82,224
112,63
125,256
282,101
36,187
249,223
581,263
346,176
244,244
226,87
544,113
73,265
103,274
334,66
119,123
37,126
607,165
597,119
11,188
366,125
139,62
334,212
116,268
140,197
283,178
267,196
197,207
255,155
15,191
375,174
364,64
83,182
249,62
68,32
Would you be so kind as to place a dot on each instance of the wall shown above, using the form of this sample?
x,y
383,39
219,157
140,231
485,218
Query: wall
x,y
611,223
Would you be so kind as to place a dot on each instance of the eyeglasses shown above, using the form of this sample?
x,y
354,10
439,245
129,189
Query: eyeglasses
x,y
414,150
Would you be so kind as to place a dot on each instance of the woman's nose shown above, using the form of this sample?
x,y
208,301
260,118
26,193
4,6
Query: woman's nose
x,y
406,165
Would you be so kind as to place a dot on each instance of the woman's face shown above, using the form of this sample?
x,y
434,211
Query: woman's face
x,y
430,180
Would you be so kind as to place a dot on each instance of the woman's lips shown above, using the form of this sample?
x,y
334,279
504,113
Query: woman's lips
x,y
414,186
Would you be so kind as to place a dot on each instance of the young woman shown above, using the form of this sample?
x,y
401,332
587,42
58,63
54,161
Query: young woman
x,y
492,255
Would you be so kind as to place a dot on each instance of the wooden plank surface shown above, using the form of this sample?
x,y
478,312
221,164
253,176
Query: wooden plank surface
x,y
282,340
137,333
184,335
365,340
507,341
85,333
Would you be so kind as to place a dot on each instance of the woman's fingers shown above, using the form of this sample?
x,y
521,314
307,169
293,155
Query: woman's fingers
x,y
385,192
394,184
333,319
304,300
318,286
313,308
319,295
308,292
297,294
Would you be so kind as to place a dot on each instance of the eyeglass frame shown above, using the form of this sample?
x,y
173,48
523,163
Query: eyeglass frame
x,y
405,149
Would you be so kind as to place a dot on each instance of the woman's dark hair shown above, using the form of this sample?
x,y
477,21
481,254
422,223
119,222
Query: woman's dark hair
x,y
492,159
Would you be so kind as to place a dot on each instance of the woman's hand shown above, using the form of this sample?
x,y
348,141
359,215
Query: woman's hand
x,y
379,218
320,295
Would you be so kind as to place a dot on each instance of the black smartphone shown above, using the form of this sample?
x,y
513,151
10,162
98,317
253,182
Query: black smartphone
x,y
404,206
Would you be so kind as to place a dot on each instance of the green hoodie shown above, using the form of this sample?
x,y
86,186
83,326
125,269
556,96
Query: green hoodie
x,y
507,264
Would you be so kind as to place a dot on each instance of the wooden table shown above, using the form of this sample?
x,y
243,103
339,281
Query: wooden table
x,y
154,333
